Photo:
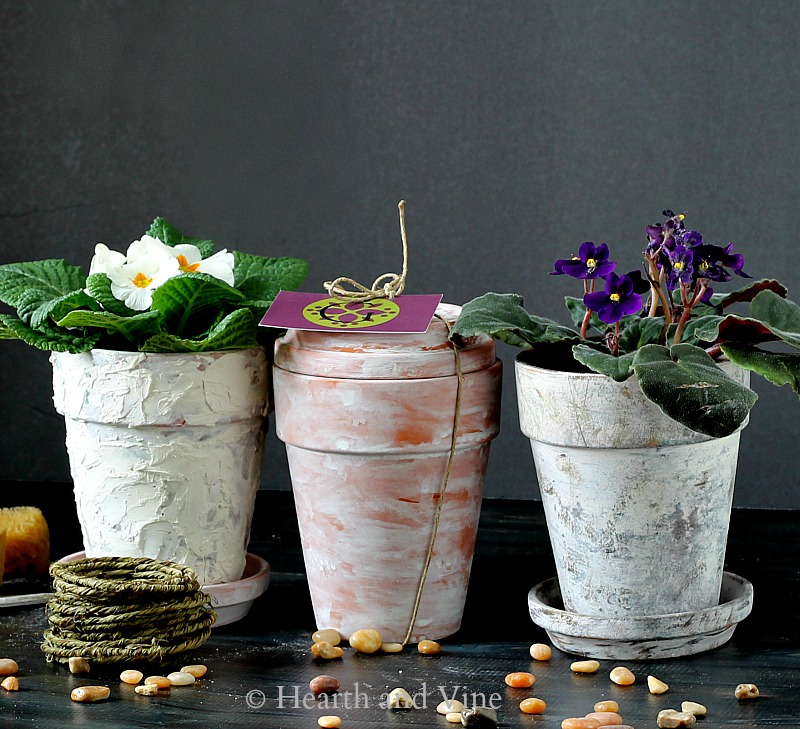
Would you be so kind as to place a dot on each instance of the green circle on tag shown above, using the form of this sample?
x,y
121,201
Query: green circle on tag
x,y
339,314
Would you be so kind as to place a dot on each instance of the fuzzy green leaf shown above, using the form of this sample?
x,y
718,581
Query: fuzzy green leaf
x,y
235,331
577,310
690,388
190,299
604,363
641,331
53,277
169,234
99,287
48,337
749,292
702,329
777,367
780,316
503,317
140,326
260,278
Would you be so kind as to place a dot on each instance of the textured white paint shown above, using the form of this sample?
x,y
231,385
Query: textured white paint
x,y
165,453
637,506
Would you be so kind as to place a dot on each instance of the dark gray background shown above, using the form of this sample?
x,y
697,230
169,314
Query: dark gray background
x,y
514,131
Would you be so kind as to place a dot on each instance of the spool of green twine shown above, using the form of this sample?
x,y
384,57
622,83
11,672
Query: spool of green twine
x,y
111,609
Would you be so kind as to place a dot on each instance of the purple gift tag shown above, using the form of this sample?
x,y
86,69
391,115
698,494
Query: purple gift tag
x,y
320,312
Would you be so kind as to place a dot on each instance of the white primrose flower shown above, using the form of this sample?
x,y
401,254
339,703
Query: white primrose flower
x,y
220,265
147,265
104,259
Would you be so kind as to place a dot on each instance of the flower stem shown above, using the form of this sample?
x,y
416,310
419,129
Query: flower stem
x,y
585,324
616,339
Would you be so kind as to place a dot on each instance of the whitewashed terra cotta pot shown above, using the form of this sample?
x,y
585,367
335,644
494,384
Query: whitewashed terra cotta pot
x,y
367,419
165,452
637,505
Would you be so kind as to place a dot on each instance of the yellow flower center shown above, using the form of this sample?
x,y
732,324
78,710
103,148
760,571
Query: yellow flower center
x,y
185,266
614,298
591,263
681,216
141,281
678,265
704,266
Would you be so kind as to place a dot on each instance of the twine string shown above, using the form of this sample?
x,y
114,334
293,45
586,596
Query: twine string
x,y
442,490
387,285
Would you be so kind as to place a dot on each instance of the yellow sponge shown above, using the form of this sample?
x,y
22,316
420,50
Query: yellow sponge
x,y
27,540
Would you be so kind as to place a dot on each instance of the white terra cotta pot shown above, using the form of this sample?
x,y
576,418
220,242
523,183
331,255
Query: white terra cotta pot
x,y
165,452
637,505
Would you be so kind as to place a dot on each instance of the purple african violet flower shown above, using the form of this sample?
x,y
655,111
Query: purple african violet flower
x,y
690,238
714,260
664,234
591,262
618,300
681,269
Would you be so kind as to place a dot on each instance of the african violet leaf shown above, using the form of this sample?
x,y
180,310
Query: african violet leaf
x,y
53,277
748,293
140,326
99,287
604,363
780,316
577,310
168,234
777,367
503,317
191,297
702,329
639,332
235,331
260,278
690,388
47,336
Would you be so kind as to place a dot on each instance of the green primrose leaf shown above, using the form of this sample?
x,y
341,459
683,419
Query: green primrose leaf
x,y
47,336
140,326
604,363
187,300
35,310
503,317
780,316
689,387
52,277
169,234
260,278
99,287
235,331
780,369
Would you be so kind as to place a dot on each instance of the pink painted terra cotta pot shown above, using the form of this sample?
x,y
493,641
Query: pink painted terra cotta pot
x,y
367,420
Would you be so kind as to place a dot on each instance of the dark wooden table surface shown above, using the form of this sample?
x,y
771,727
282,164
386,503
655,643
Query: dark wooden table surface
x,y
259,668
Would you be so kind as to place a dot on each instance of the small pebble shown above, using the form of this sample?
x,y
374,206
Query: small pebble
x,y
198,670
622,676
78,665
607,705
179,678
147,689
450,706
454,717
671,719
8,666
399,698
532,706
10,683
326,651
391,647
606,718
131,676
323,685
541,652
580,723
520,679
479,717
429,647
161,682
330,722
615,726
656,686
746,691
85,694
692,707
329,635
366,641
584,666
